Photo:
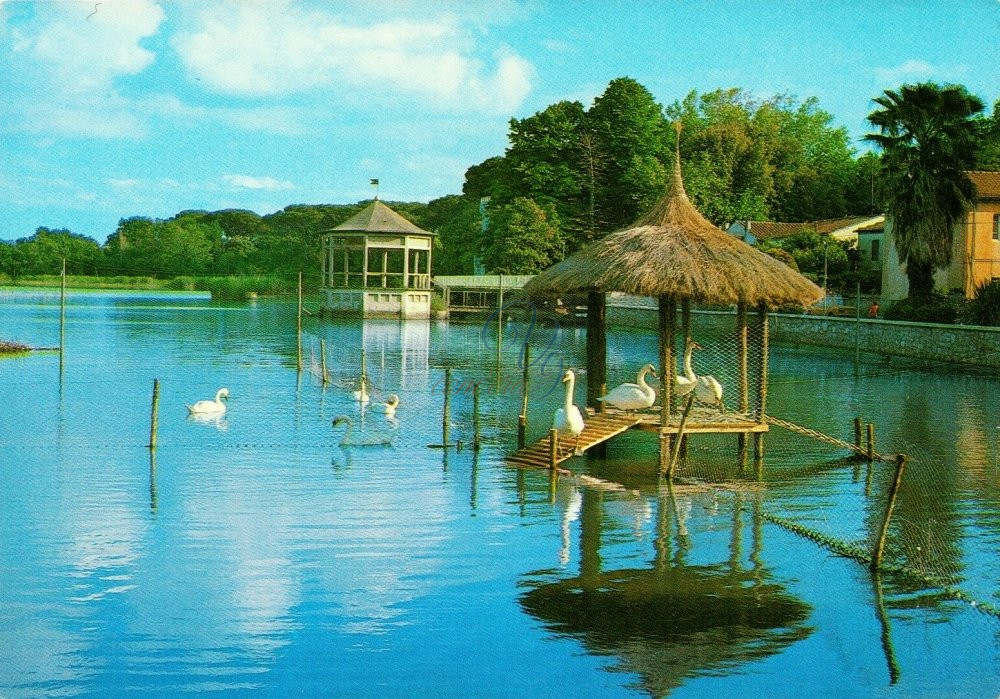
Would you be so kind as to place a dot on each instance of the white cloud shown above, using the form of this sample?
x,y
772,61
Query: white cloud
x,y
914,69
125,183
249,182
272,49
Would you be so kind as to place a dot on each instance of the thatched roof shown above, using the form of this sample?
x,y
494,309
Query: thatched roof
x,y
378,218
675,250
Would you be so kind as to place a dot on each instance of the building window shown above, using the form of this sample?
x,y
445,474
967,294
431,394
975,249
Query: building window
x,y
875,247
996,226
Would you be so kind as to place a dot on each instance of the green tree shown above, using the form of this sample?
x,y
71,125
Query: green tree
x,y
928,138
524,238
44,252
988,156
459,235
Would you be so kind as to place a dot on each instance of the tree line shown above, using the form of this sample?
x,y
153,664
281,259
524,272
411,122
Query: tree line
x,y
568,175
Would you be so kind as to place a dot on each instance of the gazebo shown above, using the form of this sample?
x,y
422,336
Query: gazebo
x,y
674,254
377,264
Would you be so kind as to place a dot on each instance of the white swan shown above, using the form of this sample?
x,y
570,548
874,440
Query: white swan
x,y
390,405
684,384
361,395
633,396
212,407
349,439
709,391
567,420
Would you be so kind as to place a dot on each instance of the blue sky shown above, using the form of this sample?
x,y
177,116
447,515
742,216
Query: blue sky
x,y
137,107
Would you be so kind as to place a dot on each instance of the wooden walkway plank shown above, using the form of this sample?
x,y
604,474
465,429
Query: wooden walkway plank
x,y
597,429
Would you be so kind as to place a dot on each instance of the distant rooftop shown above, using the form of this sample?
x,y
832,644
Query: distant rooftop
x,y
987,183
764,230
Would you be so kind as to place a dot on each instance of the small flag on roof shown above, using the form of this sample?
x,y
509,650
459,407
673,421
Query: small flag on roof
x,y
375,181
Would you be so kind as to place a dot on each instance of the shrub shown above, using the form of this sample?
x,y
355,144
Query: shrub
x,y
940,309
984,308
180,284
242,288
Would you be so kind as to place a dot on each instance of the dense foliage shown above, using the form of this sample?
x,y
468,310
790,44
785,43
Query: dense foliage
x,y
984,307
935,308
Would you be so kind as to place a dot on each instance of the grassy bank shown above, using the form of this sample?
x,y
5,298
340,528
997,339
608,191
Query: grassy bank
x,y
223,288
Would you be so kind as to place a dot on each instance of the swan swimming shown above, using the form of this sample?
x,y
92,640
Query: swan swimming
x,y
567,420
633,396
213,407
349,439
390,405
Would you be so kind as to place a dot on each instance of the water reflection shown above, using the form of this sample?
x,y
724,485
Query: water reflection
x,y
671,621
219,422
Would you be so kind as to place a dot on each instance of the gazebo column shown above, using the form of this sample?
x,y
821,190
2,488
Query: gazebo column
x,y
597,350
761,385
668,369
685,334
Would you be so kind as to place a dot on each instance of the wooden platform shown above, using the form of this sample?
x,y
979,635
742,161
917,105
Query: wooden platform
x,y
700,421
598,428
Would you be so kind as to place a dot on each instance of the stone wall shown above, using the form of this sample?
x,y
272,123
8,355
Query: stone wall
x,y
961,346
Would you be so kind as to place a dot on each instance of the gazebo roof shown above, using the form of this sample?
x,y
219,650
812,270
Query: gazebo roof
x,y
378,218
674,250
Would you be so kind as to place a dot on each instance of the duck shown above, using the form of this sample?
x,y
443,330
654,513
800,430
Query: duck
x,y
633,396
390,405
349,439
567,420
211,407
685,383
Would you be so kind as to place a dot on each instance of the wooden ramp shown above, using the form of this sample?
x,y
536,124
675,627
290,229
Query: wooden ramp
x,y
597,429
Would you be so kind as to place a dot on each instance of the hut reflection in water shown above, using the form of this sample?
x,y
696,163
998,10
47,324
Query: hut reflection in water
x,y
673,620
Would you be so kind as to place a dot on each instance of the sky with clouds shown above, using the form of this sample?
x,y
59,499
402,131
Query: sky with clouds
x,y
119,108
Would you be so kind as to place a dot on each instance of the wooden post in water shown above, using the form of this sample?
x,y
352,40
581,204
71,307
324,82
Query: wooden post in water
x,y
857,437
597,350
298,327
364,371
499,324
446,415
62,316
322,355
871,442
522,419
154,414
475,417
890,504
743,361
553,448
679,439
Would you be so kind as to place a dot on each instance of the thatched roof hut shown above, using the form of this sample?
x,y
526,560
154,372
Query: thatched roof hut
x,y
674,250
674,253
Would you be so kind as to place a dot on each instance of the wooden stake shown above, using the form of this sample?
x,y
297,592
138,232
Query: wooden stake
x,y
153,414
679,437
62,316
762,365
890,504
742,334
475,416
364,371
857,436
553,448
499,323
322,355
446,416
298,326
871,442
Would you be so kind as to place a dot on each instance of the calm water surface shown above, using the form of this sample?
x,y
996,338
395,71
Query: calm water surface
x,y
252,553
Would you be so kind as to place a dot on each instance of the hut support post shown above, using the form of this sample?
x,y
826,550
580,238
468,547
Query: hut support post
x,y
522,419
758,437
890,504
743,362
597,350
668,370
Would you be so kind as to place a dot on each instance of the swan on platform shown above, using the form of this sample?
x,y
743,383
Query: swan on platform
x,y
349,439
633,396
361,394
567,420
211,407
685,383
709,392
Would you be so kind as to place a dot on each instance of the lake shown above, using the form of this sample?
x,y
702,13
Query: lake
x,y
252,553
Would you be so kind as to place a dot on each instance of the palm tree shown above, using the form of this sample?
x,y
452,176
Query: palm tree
x,y
928,137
